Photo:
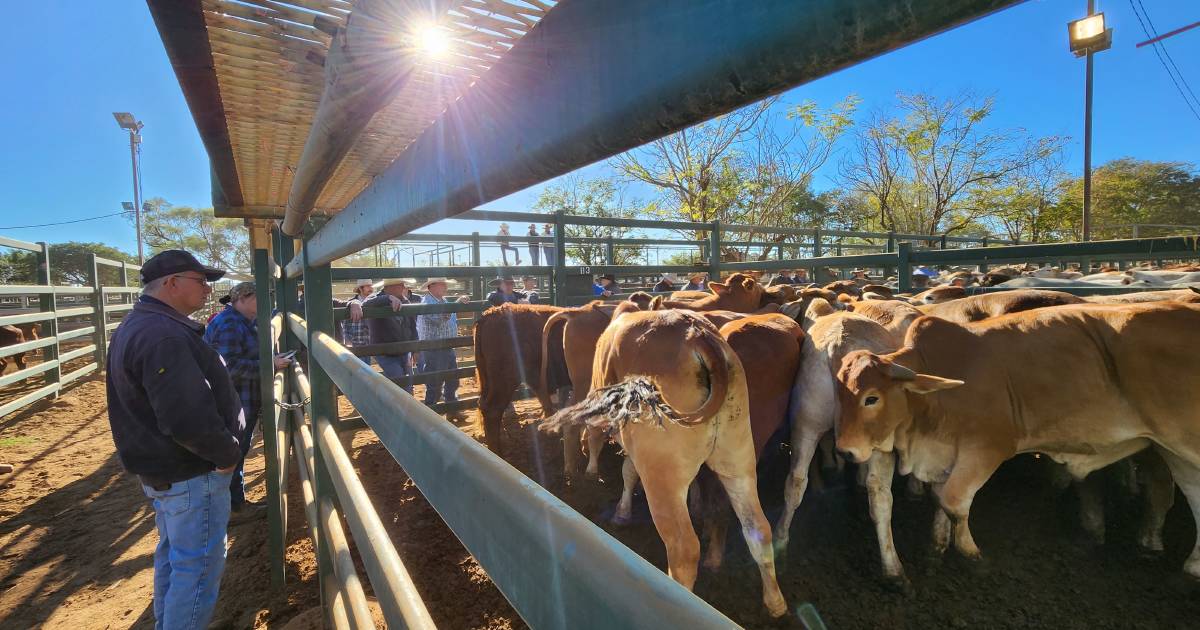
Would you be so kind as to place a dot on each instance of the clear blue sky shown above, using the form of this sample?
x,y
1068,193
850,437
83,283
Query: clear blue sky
x,y
71,64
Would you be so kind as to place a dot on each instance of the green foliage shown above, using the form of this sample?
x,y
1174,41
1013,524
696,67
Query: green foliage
x,y
222,243
593,198
70,264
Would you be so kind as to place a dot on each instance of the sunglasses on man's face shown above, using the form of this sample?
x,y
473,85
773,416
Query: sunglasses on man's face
x,y
202,281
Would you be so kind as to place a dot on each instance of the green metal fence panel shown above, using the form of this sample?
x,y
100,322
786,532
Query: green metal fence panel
x,y
269,413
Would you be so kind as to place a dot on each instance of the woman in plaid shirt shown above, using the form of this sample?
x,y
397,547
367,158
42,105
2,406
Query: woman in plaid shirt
x,y
439,326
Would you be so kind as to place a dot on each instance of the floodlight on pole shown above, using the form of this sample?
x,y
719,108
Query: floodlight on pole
x,y
1087,36
134,126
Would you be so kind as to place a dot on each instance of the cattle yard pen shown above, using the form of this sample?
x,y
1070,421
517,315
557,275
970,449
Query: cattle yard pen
x,y
87,328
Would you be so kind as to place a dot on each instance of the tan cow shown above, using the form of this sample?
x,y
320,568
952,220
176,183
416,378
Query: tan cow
x,y
1191,295
1086,384
979,307
583,327
650,367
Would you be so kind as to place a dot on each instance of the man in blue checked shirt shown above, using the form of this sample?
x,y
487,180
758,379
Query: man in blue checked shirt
x,y
233,334
354,330
439,326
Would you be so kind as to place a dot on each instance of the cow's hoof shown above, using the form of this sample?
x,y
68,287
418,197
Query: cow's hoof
x,y
899,584
622,519
776,609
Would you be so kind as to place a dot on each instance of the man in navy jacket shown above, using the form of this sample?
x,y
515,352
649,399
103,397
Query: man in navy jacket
x,y
174,415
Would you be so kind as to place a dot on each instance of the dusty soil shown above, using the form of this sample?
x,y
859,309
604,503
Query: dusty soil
x,y
76,536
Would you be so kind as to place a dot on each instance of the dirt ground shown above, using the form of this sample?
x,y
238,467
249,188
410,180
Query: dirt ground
x,y
76,536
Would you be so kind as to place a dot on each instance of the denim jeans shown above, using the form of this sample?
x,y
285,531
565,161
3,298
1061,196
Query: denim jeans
x,y
237,485
548,254
534,250
395,367
436,361
191,517
504,248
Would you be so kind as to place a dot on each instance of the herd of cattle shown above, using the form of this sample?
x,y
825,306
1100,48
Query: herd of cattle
x,y
939,386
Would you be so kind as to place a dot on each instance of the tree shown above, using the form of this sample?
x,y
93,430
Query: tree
x,y
1128,191
70,264
750,166
933,168
222,243
593,198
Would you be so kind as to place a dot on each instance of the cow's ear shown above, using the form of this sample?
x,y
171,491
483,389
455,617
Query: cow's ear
x,y
718,288
928,383
657,303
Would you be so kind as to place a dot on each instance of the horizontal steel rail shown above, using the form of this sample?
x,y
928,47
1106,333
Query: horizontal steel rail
x,y
556,567
78,311
13,243
29,399
26,289
1150,248
27,346
21,375
398,597
78,332
401,347
348,273
412,310
28,318
76,353
80,373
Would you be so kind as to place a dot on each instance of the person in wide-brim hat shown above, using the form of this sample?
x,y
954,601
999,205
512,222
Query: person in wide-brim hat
x,y
425,286
499,280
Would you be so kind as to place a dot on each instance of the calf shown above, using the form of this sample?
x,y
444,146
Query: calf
x,y
11,336
937,404
650,367
739,292
510,350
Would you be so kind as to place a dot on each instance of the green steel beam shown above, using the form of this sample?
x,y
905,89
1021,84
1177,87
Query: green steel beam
x,y
1150,248
598,77
270,416
555,566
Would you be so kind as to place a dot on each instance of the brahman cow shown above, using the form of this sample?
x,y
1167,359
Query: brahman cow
x,y
1178,295
979,307
937,404
676,394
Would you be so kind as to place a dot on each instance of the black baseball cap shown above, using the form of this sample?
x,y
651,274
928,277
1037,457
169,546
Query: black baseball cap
x,y
174,261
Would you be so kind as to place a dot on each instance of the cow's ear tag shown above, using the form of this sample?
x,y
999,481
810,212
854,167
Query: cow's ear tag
x,y
162,370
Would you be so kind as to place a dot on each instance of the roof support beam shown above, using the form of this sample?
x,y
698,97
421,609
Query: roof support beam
x,y
598,77
365,69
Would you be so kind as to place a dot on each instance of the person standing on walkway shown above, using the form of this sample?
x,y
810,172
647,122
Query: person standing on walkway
x,y
534,247
434,326
394,294
548,250
175,417
506,245
233,333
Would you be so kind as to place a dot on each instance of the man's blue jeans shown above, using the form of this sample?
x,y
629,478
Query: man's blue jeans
x,y
237,485
436,361
192,517
395,367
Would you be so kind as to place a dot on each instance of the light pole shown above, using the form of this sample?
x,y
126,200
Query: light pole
x,y
1086,37
134,126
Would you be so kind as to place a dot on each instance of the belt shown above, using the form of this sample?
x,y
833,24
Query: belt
x,y
156,484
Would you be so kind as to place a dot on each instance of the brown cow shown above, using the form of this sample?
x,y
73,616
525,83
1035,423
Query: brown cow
x,y
1191,295
651,366
938,295
11,336
769,349
980,307
509,351
739,292
936,400
844,287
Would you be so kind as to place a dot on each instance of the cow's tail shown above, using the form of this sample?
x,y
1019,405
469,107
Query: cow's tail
x,y
543,386
706,343
636,399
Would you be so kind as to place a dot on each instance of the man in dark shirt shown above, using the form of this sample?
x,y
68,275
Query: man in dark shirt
x,y
234,335
504,292
666,284
394,294
174,415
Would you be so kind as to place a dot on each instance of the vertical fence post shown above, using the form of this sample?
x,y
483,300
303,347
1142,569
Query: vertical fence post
x,y
271,447
891,248
904,266
560,260
285,289
818,246
1136,230
322,405
714,252
48,304
943,241
100,337
610,251
476,260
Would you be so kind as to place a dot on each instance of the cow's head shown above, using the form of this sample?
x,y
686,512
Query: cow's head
x,y
778,294
739,292
873,393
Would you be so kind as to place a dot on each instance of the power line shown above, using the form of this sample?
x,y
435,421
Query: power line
x,y
1163,48
1160,50
22,227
